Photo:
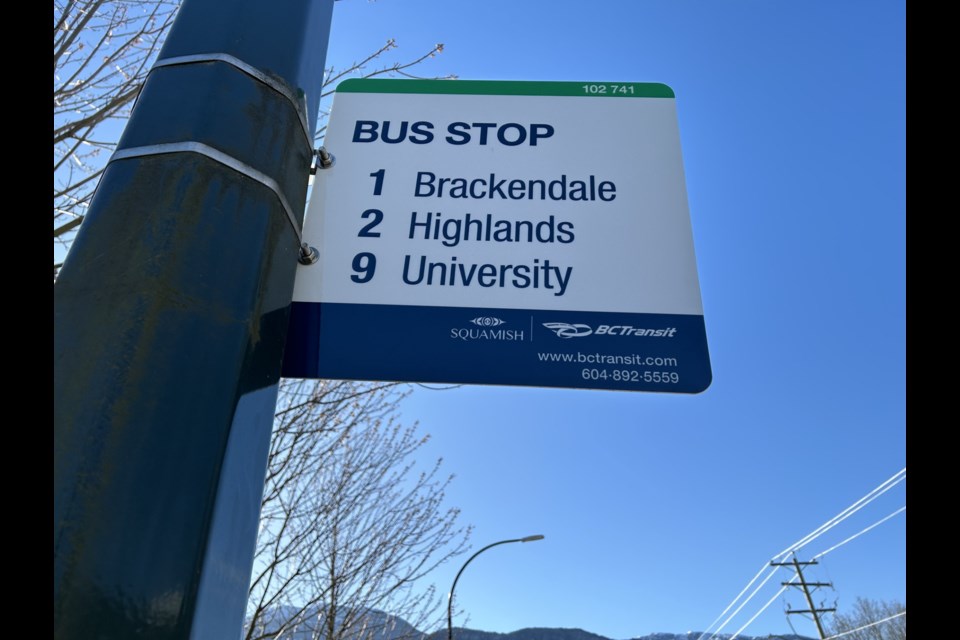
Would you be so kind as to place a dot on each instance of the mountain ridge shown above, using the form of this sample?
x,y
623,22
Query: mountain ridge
x,y
566,633
378,625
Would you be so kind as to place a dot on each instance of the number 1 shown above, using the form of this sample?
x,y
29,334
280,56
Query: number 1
x,y
378,185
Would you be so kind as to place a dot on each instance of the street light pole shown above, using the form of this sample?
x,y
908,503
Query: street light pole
x,y
450,595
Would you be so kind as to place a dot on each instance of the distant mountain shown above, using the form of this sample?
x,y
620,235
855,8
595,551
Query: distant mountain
x,y
373,625
533,633
538,633
377,625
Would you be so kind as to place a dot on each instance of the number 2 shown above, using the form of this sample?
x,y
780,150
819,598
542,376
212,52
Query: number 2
x,y
367,232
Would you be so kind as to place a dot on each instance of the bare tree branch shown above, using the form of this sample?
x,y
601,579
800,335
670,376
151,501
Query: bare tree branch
x,y
348,522
103,50
871,620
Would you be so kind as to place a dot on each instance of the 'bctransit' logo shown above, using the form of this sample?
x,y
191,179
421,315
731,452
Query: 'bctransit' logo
x,y
567,330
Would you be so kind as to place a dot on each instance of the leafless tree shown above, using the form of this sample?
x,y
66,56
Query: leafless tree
x,y
102,50
102,53
872,620
348,523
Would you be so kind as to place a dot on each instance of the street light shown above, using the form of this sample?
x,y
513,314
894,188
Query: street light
x,y
450,595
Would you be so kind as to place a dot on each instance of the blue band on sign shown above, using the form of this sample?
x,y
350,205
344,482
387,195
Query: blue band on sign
x,y
572,349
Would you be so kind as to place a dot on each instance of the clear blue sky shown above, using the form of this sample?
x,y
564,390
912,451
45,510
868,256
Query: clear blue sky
x,y
657,509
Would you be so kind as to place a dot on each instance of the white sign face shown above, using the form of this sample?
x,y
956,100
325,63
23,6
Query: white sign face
x,y
522,233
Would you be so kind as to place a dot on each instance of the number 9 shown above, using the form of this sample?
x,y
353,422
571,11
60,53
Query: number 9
x,y
365,264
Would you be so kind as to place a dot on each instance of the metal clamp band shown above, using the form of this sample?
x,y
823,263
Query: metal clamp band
x,y
299,104
218,156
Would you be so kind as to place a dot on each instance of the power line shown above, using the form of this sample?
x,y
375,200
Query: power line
x,y
743,591
757,614
742,604
878,491
816,557
860,533
872,495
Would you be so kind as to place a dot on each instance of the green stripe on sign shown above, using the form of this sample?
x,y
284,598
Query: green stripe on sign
x,y
508,88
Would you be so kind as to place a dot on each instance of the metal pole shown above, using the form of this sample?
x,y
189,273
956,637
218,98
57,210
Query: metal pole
x,y
170,318
450,595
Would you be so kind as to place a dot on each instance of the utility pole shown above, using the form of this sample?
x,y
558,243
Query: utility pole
x,y
170,319
806,586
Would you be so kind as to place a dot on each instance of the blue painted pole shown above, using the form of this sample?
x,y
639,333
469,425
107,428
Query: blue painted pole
x,y
170,320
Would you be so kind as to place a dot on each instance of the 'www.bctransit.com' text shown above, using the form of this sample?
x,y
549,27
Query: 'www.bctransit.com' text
x,y
613,367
